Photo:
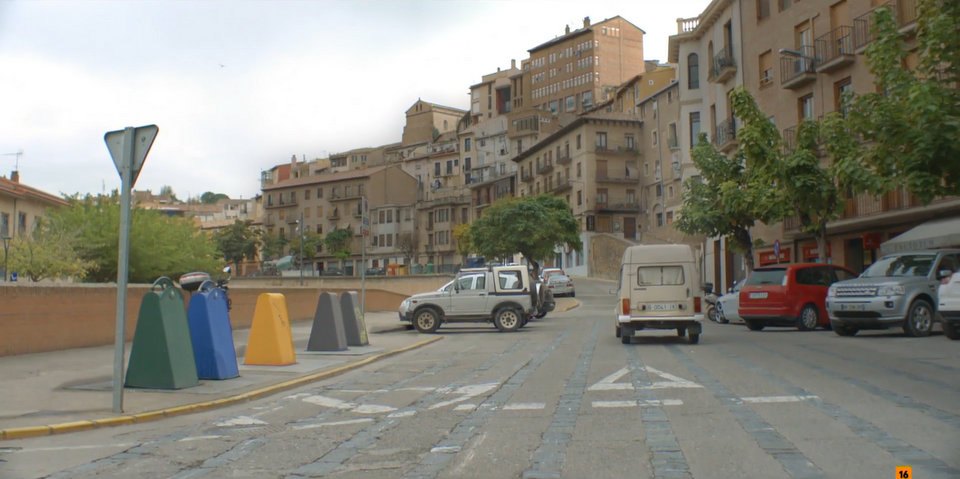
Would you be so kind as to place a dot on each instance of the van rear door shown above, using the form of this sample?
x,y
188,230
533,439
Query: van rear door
x,y
659,290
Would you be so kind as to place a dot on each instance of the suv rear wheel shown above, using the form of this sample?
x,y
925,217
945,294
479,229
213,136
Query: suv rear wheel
x,y
426,320
951,330
507,320
919,319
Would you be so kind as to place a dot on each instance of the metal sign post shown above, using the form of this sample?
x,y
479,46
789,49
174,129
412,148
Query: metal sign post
x,y
129,148
364,232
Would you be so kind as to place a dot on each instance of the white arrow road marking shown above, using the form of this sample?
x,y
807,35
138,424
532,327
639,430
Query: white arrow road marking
x,y
646,403
776,399
402,414
199,438
465,407
610,383
524,406
465,392
340,404
241,421
447,449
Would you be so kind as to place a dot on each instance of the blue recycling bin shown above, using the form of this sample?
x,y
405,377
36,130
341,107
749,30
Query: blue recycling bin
x,y
211,334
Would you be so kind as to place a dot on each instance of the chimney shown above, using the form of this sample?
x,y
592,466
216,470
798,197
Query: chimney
x,y
513,63
15,176
567,30
586,22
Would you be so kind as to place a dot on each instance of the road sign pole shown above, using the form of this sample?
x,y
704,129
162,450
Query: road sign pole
x,y
364,231
126,162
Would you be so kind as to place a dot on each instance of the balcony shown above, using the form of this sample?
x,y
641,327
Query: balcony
x,y
334,215
446,200
564,159
281,204
334,197
631,207
864,26
723,67
834,49
672,142
867,207
545,168
790,139
561,186
726,136
797,68
687,25
606,178
526,177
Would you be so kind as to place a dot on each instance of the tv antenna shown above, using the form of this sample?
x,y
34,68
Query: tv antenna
x,y
18,154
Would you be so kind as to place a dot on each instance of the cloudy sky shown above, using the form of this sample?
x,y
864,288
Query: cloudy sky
x,y
239,86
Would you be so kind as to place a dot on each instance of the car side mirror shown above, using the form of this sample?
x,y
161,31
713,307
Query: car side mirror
x,y
944,273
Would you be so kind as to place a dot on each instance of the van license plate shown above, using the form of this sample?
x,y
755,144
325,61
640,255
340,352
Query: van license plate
x,y
853,307
663,307
759,295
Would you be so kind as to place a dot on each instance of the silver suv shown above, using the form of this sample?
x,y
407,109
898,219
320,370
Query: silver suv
x,y
898,290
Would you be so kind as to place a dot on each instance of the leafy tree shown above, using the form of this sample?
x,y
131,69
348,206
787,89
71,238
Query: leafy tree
x,y
237,242
910,128
209,197
167,190
805,186
461,233
728,197
46,255
337,243
312,243
273,245
160,245
532,226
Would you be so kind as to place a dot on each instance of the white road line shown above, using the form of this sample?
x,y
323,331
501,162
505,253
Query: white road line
x,y
199,438
328,402
240,421
335,423
71,448
466,392
448,449
524,406
633,403
465,407
776,399
402,414
373,409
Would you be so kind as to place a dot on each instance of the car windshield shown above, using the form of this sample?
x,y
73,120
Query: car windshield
x,y
766,276
907,265
659,275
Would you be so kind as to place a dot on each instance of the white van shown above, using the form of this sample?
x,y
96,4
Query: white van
x,y
659,289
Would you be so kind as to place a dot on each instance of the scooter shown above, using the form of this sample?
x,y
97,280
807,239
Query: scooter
x,y
222,284
711,299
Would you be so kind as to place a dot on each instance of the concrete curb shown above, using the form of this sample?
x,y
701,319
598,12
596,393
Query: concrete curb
x,y
66,427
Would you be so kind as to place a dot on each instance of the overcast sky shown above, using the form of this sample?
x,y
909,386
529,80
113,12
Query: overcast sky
x,y
237,87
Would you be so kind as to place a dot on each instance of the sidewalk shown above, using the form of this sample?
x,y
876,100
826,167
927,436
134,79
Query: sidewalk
x,y
70,390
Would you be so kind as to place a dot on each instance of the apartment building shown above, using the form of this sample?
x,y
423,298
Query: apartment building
x,y
813,54
708,50
22,206
331,201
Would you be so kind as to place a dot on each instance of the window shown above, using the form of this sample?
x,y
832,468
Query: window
x,y
601,140
21,223
554,106
466,144
571,103
586,98
389,216
694,128
630,141
660,276
653,137
659,219
805,107
766,68
763,9
631,196
579,170
436,169
659,190
672,135
319,192
693,71
306,194
669,217
4,224
578,141
841,91
579,198
784,4
449,167
602,196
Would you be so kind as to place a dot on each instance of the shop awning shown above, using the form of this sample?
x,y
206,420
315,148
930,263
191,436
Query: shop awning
x,y
943,233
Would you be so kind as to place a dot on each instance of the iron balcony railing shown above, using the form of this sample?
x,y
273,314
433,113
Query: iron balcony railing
x,y
795,65
723,63
835,44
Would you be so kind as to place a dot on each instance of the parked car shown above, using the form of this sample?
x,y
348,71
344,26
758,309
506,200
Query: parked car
x,y
949,298
789,295
332,271
376,271
899,289
545,273
728,305
561,285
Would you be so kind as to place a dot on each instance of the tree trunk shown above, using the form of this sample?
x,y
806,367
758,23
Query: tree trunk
x,y
743,239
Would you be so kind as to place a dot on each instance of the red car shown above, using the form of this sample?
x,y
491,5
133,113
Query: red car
x,y
789,295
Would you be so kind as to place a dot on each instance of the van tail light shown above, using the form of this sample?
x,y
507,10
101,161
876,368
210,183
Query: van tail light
x,y
625,306
696,304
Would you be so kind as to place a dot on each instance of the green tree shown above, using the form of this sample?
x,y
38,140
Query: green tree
x,y
160,245
337,243
312,243
209,197
729,196
272,246
461,234
909,130
46,255
807,187
532,226
237,242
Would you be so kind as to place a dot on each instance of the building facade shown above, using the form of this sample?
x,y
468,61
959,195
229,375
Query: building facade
x,y
22,207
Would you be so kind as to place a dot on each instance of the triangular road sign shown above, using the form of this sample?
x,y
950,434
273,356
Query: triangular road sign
x,y
142,141
670,381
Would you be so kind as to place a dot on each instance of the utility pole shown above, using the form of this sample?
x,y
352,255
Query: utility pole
x,y
301,247
364,231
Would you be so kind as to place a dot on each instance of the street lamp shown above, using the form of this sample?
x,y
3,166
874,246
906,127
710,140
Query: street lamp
x,y
6,245
300,227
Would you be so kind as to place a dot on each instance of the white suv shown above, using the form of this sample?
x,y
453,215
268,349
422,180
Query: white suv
x,y
950,306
